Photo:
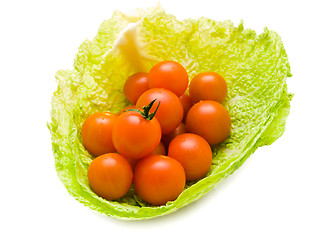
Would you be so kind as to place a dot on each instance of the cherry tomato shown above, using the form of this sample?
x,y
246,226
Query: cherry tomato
x,y
208,86
135,85
169,75
170,111
186,104
135,135
160,150
159,179
210,120
96,133
166,139
127,108
110,176
194,154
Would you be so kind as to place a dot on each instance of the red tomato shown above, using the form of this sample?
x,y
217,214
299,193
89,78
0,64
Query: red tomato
x,y
134,136
166,139
186,104
208,86
194,154
96,133
159,179
169,75
110,176
210,120
170,111
135,85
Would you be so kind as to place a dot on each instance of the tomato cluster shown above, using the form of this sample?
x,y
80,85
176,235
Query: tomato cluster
x,y
163,139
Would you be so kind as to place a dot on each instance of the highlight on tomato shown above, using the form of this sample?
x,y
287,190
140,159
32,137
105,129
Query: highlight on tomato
x,y
135,85
169,75
194,154
208,86
110,176
210,120
96,133
159,179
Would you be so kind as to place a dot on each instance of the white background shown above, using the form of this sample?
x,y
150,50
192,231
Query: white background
x,y
274,195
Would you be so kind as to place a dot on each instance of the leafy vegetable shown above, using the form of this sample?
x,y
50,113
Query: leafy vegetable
x,y
255,68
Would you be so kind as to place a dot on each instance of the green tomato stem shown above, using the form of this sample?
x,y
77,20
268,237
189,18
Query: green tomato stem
x,y
146,110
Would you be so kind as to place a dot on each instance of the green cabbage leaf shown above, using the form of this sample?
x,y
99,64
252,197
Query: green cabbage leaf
x,y
255,68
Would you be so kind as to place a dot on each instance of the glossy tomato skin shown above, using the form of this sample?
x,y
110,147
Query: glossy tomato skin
x,y
187,103
96,133
159,179
134,136
194,154
110,176
210,120
166,139
208,86
135,85
170,111
169,75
